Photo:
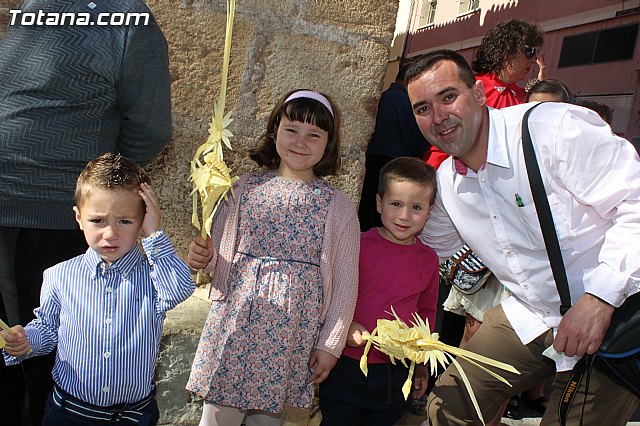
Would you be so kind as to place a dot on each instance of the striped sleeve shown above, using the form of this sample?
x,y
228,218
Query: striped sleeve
x,y
170,276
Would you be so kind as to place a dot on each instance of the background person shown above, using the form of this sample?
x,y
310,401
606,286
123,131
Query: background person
x,y
68,94
505,57
550,90
396,134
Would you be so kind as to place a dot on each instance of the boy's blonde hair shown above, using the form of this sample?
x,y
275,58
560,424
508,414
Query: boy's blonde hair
x,y
109,171
408,169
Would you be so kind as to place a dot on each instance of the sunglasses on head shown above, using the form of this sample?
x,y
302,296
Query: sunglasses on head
x,y
530,51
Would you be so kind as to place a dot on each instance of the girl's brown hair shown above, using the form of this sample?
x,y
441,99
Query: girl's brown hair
x,y
305,110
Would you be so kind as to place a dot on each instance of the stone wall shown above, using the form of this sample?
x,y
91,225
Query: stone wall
x,y
339,47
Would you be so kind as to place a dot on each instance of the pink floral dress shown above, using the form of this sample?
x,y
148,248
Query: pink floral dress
x,y
256,344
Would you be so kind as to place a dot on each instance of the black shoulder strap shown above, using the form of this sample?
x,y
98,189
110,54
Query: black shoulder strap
x,y
557,265
544,216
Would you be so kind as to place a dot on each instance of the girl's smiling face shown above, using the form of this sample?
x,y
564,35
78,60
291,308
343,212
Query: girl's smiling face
x,y
300,147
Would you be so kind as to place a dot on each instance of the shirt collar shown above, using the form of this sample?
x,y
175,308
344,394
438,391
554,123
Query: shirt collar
x,y
497,154
124,265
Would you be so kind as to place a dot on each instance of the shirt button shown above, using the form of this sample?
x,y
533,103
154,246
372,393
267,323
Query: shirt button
x,y
156,250
125,275
107,354
105,389
108,321
109,290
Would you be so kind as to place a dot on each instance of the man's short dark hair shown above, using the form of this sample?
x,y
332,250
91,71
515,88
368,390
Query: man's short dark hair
x,y
425,62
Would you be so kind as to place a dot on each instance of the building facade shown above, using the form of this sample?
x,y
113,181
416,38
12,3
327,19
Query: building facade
x,y
591,45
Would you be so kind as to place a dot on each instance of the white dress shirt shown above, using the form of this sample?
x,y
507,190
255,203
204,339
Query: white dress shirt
x,y
592,179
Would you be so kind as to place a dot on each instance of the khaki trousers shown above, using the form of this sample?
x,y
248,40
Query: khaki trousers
x,y
607,402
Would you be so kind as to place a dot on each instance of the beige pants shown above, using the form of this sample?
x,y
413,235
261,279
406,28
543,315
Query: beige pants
x,y
449,403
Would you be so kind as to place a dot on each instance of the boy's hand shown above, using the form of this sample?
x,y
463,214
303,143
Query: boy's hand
x,y
200,253
321,364
354,337
151,222
17,343
420,381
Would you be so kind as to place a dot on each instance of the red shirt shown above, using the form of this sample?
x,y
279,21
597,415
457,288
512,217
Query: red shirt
x,y
500,94
405,276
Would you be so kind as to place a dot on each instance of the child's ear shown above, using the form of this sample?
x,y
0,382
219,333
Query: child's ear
x,y
78,217
430,210
378,203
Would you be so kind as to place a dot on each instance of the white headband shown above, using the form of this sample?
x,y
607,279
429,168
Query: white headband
x,y
311,95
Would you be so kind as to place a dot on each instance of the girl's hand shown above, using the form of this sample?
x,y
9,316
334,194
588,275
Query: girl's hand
x,y
420,381
17,343
151,222
200,253
354,337
321,364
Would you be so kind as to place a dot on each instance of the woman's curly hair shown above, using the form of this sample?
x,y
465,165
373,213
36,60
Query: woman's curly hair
x,y
503,43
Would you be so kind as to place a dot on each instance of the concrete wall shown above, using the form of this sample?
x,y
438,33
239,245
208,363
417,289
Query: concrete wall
x,y
339,47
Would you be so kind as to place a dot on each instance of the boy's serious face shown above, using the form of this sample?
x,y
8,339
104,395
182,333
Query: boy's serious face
x,y
111,221
404,210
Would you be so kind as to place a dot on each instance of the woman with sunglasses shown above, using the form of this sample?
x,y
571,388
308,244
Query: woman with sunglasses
x,y
505,57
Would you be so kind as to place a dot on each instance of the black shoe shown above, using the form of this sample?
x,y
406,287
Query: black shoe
x,y
513,409
538,404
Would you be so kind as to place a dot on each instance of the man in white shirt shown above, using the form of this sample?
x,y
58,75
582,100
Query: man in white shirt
x,y
592,179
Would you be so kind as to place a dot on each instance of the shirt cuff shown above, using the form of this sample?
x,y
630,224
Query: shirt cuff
x,y
34,343
611,286
157,245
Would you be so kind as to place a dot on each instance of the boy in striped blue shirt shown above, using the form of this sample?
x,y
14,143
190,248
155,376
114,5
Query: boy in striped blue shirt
x,y
104,309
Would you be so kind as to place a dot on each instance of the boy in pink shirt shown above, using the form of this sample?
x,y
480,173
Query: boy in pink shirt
x,y
396,269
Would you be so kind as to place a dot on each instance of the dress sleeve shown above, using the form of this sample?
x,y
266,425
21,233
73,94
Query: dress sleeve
x,y
344,235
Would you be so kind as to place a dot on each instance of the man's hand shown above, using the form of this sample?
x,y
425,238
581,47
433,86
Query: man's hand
x,y
321,364
200,253
354,337
420,381
151,222
583,327
17,343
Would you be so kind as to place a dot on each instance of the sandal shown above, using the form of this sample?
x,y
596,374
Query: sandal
x,y
538,404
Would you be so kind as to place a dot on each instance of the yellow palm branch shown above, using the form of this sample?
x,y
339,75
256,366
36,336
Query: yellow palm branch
x,y
212,179
418,345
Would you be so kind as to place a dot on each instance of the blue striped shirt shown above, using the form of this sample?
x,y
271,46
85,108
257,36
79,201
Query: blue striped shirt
x,y
107,322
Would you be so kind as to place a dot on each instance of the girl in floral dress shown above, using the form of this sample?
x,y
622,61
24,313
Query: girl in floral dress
x,y
284,252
